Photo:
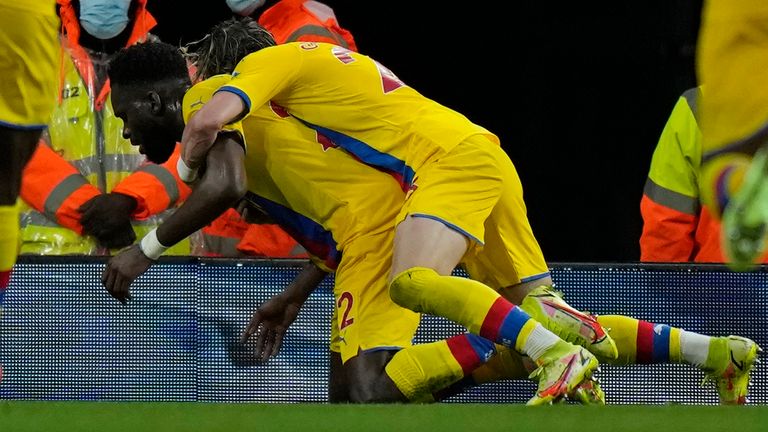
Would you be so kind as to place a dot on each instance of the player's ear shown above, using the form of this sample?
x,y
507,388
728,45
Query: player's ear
x,y
155,102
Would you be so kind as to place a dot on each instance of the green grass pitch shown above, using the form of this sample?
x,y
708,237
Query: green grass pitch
x,y
18,416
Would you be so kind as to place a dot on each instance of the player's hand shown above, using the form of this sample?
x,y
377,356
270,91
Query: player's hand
x,y
271,320
122,270
108,218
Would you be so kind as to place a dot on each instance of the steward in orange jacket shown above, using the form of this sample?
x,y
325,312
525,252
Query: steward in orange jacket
x,y
304,20
84,155
677,227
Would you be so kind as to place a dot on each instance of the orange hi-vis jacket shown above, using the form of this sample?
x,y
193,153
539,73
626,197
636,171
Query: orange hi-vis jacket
x,y
307,21
230,236
84,154
288,21
676,226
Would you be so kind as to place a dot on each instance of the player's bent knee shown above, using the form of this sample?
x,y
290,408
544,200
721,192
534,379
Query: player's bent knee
x,y
409,288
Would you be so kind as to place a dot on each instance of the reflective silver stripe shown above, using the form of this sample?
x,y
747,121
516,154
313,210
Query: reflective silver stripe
x,y
224,246
36,218
298,250
311,29
166,179
671,199
112,163
33,217
692,97
87,166
61,192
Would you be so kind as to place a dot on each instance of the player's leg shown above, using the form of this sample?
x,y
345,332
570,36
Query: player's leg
x,y
512,263
728,361
338,386
373,335
19,144
27,95
374,370
732,56
439,221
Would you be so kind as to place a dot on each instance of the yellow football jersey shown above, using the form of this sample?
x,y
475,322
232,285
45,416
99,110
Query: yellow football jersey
x,y
355,102
29,60
315,190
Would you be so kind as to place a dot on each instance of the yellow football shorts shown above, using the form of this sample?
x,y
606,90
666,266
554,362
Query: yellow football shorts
x,y
475,190
29,60
364,316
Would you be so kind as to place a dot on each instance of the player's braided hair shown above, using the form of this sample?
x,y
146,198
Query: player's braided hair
x,y
226,44
146,63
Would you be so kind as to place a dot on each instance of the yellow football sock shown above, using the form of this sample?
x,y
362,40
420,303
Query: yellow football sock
x,y
476,306
9,246
419,371
641,341
459,299
9,236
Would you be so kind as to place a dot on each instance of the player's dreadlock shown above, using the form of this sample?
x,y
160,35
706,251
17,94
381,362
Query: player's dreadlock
x,y
147,63
226,44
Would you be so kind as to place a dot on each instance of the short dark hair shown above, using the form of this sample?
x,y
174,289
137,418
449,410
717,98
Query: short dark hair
x,y
146,63
226,44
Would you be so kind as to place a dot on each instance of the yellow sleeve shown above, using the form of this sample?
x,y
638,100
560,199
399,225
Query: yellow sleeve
x,y
677,157
200,93
262,75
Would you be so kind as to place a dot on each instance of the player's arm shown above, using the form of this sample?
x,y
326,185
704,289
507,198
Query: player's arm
x,y
221,186
272,319
202,129
670,203
155,188
255,81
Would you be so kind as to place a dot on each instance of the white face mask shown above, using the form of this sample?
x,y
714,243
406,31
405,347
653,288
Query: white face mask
x,y
244,7
104,19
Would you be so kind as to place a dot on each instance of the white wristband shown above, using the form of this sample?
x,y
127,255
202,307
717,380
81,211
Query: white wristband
x,y
187,174
151,246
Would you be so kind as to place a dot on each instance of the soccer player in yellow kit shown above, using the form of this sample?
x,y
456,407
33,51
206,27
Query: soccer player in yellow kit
x,y
28,65
325,86
731,60
340,209
462,175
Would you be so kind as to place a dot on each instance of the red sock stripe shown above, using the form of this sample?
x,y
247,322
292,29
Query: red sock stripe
x,y
464,353
644,350
5,277
495,318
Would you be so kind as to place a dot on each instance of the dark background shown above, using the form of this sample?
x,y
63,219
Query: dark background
x,y
578,94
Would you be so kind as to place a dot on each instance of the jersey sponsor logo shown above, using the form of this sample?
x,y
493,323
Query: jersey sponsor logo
x,y
198,103
308,45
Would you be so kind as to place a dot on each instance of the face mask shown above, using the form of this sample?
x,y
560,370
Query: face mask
x,y
244,7
104,19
